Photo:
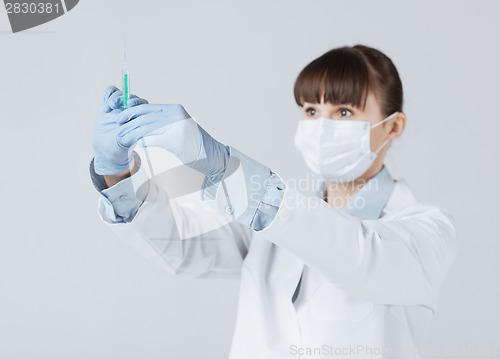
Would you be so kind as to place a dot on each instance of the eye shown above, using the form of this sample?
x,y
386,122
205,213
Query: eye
x,y
310,112
345,112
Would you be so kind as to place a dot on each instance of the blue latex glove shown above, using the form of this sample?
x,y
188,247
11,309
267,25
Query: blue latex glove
x,y
172,128
111,156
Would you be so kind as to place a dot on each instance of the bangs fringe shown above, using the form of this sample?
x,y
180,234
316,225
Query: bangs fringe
x,y
340,76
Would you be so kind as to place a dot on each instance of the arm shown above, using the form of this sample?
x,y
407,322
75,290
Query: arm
x,y
114,179
401,259
183,239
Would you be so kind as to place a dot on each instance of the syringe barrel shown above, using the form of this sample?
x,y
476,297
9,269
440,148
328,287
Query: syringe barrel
x,y
126,86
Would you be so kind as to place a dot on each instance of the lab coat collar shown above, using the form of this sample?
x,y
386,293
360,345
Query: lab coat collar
x,y
371,199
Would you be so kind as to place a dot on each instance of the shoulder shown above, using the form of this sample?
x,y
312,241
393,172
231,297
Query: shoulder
x,y
403,205
401,197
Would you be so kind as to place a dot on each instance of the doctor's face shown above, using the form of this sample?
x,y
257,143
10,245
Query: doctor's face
x,y
371,113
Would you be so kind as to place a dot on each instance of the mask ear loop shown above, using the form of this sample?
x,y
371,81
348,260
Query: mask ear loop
x,y
379,123
385,120
381,146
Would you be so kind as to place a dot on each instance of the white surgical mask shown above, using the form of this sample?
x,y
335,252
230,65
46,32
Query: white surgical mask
x,y
337,149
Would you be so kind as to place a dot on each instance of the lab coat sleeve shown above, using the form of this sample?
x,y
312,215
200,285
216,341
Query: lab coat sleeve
x,y
400,259
124,200
250,191
187,240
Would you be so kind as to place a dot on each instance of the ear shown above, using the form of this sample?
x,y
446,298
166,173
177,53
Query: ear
x,y
397,125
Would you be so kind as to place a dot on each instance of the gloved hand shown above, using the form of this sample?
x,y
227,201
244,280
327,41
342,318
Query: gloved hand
x,y
111,156
172,128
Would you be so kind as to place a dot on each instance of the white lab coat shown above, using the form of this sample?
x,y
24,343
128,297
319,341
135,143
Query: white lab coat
x,y
367,285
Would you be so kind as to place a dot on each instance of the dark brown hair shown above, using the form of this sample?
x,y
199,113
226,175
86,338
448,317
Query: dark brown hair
x,y
347,75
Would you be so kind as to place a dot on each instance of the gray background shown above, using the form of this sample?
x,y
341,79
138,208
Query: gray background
x,y
70,288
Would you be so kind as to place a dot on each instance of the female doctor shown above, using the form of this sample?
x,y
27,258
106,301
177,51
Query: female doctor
x,y
352,272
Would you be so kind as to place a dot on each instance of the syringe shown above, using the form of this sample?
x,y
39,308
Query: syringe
x,y
126,80
126,97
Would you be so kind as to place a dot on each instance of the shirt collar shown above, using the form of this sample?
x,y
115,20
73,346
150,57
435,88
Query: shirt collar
x,y
370,200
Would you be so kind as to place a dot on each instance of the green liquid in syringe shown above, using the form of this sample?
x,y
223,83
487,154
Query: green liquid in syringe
x,y
126,86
